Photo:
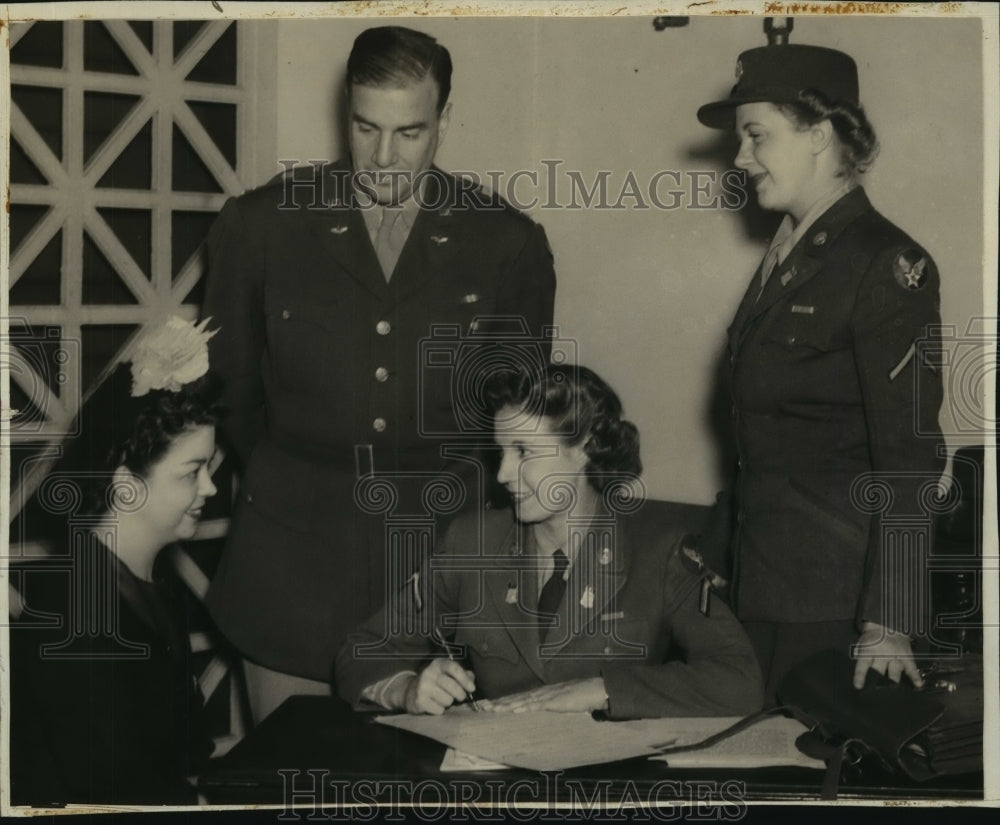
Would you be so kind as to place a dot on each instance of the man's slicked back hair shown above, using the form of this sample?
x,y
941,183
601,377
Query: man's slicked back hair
x,y
396,56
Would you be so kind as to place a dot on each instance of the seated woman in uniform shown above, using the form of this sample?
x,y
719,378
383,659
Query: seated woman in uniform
x,y
104,705
573,601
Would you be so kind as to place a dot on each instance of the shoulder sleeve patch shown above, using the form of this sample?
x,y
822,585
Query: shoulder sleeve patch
x,y
909,269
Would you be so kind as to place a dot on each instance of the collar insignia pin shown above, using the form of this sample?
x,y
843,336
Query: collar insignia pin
x,y
694,557
819,239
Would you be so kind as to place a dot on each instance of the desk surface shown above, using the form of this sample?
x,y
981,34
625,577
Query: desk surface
x,y
324,753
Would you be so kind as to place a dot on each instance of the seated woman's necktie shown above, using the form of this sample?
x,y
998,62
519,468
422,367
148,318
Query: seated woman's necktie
x,y
552,593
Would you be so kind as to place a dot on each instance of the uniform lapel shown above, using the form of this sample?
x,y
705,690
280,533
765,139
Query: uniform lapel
x,y
788,277
802,264
596,577
432,243
340,231
515,612
743,312
344,237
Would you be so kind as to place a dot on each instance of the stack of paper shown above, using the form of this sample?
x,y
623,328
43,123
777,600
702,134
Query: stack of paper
x,y
545,740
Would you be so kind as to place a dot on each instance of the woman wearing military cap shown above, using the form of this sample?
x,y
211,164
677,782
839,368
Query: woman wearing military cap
x,y
832,398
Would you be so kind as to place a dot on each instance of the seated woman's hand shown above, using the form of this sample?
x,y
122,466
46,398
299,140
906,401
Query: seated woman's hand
x,y
566,697
884,651
437,687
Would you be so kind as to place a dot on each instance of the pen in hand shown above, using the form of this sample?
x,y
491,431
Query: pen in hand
x,y
439,638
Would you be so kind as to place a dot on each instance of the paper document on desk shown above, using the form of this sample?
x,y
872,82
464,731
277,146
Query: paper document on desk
x,y
462,762
546,741
538,740
767,743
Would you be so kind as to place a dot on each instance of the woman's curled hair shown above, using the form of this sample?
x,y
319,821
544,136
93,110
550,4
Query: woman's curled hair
x,y
580,407
115,429
849,121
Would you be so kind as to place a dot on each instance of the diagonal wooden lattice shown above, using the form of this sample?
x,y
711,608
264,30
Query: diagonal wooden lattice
x,y
76,192
74,200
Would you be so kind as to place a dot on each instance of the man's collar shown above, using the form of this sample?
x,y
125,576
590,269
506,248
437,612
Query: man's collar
x,y
372,213
408,209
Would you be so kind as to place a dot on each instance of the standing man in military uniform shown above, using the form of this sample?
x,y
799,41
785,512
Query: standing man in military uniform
x,y
323,296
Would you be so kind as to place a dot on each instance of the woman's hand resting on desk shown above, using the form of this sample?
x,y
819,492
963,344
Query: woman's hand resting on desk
x,y
566,697
435,689
884,651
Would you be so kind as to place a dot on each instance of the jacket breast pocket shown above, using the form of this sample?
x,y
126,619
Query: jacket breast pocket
x,y
801,327
300,335
474,302
487,643
621,637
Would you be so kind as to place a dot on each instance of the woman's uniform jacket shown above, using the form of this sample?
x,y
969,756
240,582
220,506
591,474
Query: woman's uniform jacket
x,y
334,375
835,382
102,713
630,614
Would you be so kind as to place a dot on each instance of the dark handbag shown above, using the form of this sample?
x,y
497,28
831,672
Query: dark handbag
x,y
921,732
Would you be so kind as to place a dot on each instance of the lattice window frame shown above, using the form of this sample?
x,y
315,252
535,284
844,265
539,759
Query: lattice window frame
x,y
74,199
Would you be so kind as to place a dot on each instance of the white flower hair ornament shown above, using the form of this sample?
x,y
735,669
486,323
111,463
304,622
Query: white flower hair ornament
x,y
170,356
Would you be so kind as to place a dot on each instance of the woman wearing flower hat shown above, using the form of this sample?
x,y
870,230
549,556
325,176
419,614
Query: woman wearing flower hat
x,y
835,404
104,704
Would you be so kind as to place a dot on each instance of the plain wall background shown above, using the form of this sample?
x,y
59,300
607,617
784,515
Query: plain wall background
x,y
647,293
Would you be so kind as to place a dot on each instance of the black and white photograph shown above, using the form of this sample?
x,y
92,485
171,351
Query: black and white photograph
x,y
543,410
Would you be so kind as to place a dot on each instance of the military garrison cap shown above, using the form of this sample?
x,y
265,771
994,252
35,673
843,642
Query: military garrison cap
x,y
776,74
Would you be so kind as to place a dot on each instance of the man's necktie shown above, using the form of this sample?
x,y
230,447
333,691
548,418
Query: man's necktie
x,y
387,246
551,595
